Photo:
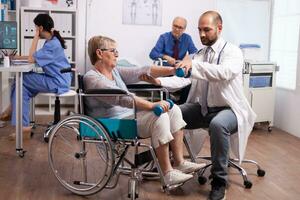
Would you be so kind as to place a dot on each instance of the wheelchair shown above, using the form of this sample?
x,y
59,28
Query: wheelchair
x,y
88,155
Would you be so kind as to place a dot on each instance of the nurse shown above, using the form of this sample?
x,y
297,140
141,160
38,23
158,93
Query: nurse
x,y
51,58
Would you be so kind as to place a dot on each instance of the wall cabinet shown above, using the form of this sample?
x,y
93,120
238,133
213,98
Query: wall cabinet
x,y
259,80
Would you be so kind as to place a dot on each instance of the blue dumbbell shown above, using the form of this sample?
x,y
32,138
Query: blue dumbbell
x,y
158,110
180,73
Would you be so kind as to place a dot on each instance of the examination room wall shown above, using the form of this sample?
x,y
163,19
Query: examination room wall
x,y
287,105
136,41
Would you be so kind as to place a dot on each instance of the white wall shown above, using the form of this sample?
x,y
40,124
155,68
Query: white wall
x,y
247,21
136,41
287,109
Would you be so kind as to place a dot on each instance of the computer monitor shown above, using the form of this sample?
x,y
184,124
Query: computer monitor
x,y
8,35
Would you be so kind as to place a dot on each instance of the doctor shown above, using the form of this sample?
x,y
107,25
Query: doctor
x,y
51,59
216,99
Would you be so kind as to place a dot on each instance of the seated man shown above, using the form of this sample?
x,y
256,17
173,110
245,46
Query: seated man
x,y
164,130
174,46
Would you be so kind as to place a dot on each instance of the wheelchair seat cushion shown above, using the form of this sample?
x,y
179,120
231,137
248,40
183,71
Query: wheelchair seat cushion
x,y
116,128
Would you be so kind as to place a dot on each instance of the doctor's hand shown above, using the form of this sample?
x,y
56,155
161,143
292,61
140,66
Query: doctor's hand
x,y
150,79
186,64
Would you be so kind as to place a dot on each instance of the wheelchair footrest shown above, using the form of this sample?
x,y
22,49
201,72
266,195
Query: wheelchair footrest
x,y
142,158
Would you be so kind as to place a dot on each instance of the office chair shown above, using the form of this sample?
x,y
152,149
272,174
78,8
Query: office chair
x,y
57,113
232,163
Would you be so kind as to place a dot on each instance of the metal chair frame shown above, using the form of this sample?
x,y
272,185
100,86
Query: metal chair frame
x,y
118,162
231,163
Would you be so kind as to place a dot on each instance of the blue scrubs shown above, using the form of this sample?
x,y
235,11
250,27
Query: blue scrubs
x,y
52,59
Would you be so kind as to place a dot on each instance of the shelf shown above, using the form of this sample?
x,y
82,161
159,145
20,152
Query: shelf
x,y
36,9
11,11
65,37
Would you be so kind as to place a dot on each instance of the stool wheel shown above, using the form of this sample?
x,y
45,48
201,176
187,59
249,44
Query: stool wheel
x,y
247,184
202,180
261,172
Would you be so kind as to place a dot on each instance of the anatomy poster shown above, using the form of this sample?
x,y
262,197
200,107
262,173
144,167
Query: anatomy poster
x,y
142,12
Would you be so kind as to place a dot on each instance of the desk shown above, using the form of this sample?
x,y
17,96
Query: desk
x,y
18,70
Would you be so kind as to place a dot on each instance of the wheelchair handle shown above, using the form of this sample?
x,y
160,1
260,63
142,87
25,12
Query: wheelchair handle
x,y
158,110
180,73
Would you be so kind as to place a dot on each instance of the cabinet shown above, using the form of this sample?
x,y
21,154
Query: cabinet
x,y
8,12
259,80
65,21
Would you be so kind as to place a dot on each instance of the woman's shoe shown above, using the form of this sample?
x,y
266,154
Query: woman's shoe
x,y
27,134
175,177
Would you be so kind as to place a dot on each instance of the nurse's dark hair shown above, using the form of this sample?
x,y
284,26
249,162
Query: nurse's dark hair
x,y
47,23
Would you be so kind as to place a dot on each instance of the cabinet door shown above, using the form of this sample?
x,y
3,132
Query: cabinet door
x,y
262,102
27,45
69,50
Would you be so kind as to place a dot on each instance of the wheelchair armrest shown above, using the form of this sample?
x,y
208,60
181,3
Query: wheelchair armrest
x,y
105,91
143,86
148,88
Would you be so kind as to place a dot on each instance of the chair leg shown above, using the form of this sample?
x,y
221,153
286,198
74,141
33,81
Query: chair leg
x,y
247,183
56,119
260,171
188,148
49,104
57,110
32,113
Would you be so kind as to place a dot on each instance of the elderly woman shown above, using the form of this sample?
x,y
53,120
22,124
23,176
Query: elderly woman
x,y
164,130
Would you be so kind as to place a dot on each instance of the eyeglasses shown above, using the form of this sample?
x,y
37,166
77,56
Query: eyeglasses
x,y
178,27
113,50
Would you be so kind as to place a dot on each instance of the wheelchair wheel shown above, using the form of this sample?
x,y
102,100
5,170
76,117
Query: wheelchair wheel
x,y
81,164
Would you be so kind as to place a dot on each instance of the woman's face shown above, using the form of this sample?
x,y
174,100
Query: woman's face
x,y
110,55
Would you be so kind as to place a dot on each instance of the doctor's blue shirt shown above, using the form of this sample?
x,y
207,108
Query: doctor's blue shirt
x,y
165,45
52,59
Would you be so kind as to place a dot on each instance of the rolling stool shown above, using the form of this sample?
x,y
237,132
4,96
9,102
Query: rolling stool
x,y
234,163
56,117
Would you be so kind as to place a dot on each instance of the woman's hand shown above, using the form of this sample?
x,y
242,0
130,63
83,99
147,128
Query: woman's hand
x,y
34,44
37,33
150,79
164,104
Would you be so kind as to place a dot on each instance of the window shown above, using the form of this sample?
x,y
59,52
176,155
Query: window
x,y
285,41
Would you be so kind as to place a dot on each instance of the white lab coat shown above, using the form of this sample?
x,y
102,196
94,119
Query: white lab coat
x,y
228,77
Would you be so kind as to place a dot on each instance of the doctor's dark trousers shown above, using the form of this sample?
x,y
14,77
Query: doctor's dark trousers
x,y
221,123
